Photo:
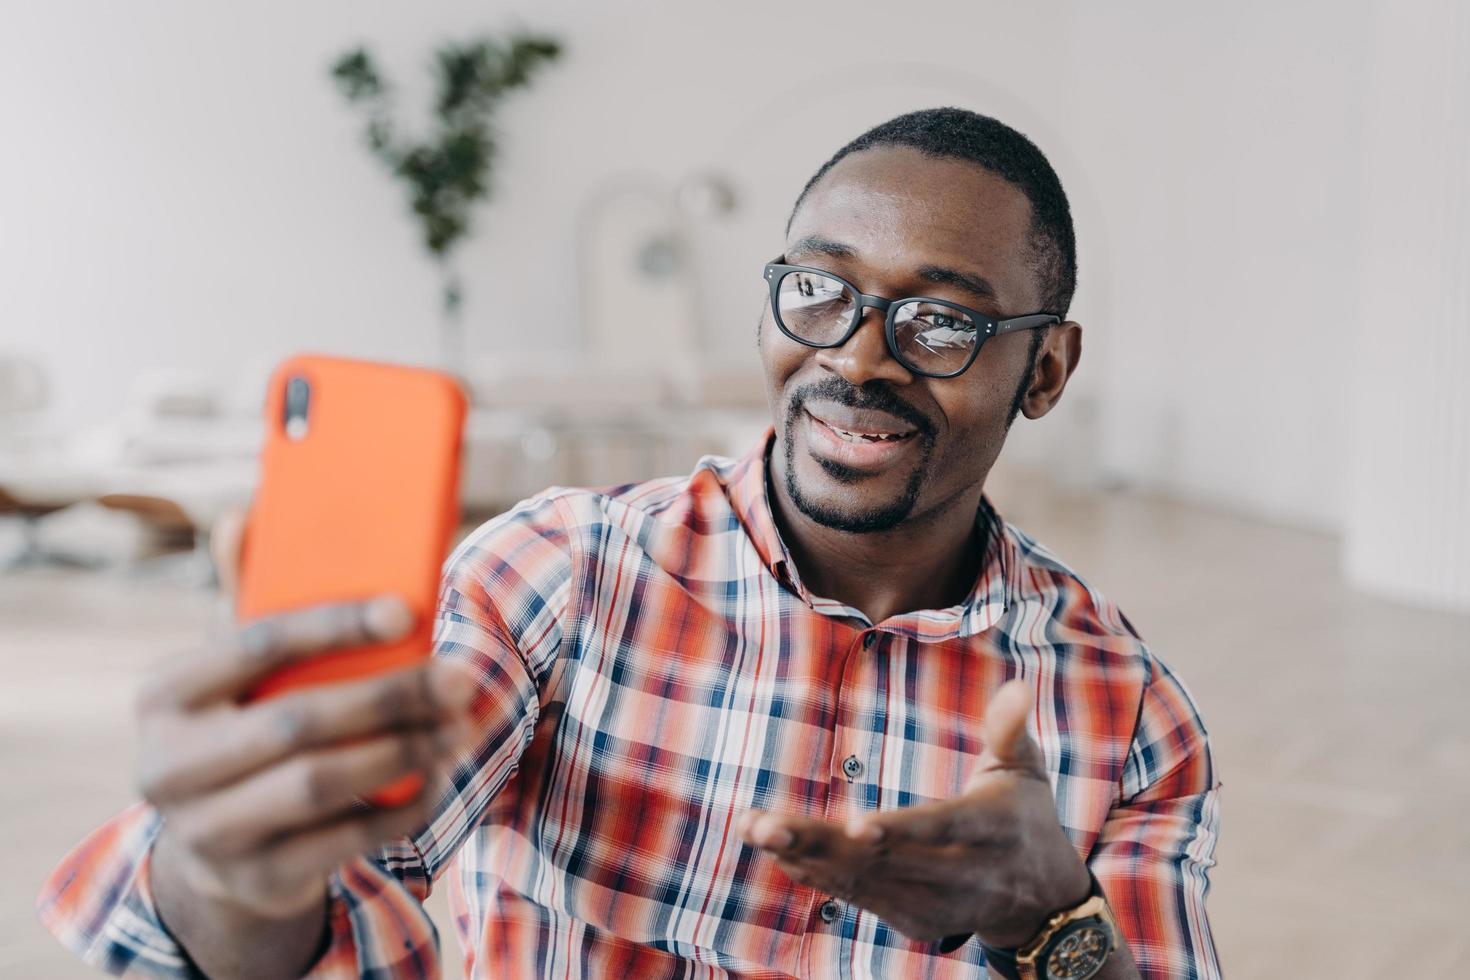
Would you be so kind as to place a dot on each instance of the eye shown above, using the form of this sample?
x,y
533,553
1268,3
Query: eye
x,y
817,287
941,320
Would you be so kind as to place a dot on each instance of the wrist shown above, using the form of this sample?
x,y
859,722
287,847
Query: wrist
x,y
185,874
219,936
1072,888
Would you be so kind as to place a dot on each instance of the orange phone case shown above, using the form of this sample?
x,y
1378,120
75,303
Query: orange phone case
x,y
363,502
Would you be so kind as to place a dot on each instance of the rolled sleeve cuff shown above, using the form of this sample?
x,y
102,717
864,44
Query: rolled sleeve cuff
x,y
99,901
379,928
99,904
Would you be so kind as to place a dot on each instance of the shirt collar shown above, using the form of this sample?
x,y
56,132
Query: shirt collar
x,y
747,491
995,587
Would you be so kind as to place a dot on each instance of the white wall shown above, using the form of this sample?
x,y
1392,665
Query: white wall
x,y
1224,150
182,185
1412,420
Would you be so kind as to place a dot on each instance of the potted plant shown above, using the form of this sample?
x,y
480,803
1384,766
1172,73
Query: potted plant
x,y
449,169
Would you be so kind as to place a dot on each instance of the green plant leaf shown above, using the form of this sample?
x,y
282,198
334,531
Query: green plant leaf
x,y
450,169
357,77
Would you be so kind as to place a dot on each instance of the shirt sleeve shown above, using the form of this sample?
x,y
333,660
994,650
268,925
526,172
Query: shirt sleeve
x,y
1155,850
501,606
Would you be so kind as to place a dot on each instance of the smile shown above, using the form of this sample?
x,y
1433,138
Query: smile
x,y
867,436
869,445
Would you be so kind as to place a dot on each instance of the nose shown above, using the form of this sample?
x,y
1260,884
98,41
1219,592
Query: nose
x,y
865,357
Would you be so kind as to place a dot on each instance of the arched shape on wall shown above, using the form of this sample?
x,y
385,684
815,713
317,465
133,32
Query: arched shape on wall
x,y
771,156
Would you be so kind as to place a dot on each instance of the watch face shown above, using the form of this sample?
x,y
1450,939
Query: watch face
x,y
1079,953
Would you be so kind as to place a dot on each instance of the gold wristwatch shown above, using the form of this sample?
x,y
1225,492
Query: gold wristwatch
x,y
1073,945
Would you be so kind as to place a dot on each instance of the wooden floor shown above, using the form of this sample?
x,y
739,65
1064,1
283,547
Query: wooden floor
x,y
1340,725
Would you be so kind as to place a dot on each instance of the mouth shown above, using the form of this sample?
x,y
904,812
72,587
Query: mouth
x,y
847,435
866,441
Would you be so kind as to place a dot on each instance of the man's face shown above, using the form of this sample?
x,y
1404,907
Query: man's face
x,y
863,444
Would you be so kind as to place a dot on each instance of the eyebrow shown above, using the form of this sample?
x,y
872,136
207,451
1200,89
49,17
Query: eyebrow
x,y
937,274
822,246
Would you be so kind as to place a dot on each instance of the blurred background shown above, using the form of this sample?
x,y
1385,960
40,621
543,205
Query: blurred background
x,y
1264,458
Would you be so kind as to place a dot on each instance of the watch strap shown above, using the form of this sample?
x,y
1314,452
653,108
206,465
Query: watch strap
x,y
998,961
1002,962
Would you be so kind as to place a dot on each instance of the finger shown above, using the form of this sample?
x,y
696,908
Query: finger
x,y
760,829
962,820
227,746
905,863
1008,745
860,878
788,834
252,652
813,876
226,545
310,789
921,896
309,854
850,883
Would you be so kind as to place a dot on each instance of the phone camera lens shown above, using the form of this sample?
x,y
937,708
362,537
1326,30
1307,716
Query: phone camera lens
x,y
298,402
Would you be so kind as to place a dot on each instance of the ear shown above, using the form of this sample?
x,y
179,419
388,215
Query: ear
x,y
1061,349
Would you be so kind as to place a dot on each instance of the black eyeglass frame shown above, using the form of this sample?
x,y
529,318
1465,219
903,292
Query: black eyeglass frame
x,y
986,326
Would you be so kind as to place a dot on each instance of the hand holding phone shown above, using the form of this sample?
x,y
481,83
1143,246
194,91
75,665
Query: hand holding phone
x,y
258,749
358,497
260,799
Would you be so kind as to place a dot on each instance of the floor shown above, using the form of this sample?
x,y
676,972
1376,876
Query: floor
x,y
1339,723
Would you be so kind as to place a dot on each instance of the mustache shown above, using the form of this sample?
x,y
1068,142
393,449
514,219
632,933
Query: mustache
x,y
877,396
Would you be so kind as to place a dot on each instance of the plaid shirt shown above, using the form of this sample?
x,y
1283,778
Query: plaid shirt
x,y
650,665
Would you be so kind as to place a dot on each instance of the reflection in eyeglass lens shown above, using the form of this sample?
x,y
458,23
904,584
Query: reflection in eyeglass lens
x,y
815,307
932,335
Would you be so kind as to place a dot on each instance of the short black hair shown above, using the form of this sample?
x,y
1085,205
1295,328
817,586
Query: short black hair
x,y
989,143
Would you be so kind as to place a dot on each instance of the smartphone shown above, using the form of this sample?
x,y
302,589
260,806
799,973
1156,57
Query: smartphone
x,y
358,496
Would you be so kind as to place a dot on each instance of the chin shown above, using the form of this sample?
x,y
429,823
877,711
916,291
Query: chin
x,y
834,499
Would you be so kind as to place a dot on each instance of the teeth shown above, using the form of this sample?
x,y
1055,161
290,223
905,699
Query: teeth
x,y
863,436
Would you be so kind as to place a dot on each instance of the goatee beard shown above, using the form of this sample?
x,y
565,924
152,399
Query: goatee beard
x,y
883,518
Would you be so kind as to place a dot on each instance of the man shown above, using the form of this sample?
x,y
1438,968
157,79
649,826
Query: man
x,y
815,712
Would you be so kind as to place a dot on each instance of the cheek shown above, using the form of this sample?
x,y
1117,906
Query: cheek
x,y
781,358
975,404
975,421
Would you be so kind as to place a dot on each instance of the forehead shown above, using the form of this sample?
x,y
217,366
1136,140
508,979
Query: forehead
x,y
900,209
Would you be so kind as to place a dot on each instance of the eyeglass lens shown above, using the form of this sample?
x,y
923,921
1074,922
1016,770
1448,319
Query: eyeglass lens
x,y
932,338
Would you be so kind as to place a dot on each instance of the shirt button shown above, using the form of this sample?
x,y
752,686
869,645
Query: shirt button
x,y
828,911
851,767
869,640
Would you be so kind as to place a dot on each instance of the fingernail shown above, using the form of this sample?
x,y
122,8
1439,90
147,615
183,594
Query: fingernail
x,y
780,838
864,830
387,617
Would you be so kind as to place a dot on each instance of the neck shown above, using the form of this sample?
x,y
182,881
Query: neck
x,y
929,561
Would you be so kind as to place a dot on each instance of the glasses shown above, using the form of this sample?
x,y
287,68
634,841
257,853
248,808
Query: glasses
x,y
930,337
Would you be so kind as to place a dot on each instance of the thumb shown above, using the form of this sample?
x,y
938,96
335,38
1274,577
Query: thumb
x,y
1008,745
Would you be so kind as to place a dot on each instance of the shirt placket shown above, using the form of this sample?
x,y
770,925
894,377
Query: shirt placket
x,y
853,769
